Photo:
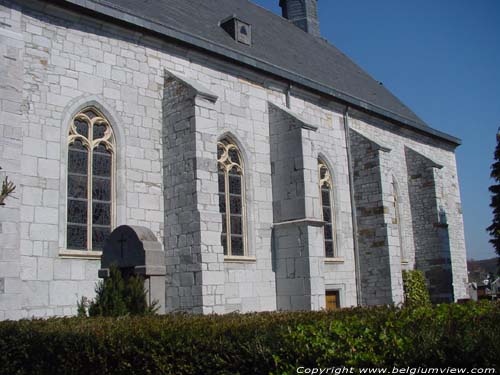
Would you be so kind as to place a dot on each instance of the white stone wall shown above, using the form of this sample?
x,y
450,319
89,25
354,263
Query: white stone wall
x,y
11,131
70,62
243,116
65,69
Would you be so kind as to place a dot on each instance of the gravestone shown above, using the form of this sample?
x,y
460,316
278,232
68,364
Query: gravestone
x,y
135,250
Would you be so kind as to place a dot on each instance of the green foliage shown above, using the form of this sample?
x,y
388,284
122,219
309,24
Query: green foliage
x,y
118,296
82,307
136,297
415,289
111,296
264,343
494,228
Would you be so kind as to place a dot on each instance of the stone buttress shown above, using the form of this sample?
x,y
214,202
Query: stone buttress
x,y
298,248
379,245
430,226
194,255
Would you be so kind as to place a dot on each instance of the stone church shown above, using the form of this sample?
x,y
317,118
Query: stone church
x,y
274,173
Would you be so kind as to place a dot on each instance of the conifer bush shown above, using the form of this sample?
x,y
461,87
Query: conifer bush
x,y
117,296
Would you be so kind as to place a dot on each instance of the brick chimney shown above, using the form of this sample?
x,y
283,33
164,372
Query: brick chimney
x,y
303,14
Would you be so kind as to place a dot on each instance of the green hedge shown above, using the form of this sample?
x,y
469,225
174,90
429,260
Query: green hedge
x,y
445,335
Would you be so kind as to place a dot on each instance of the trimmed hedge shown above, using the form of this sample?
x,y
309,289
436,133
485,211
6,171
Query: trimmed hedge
x,y
262,343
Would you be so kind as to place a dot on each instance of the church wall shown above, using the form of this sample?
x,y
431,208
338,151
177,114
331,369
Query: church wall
x,y
447,188
297,246
182,247
69,60
63,70
432,247
243,117
368,161
11,105
329,144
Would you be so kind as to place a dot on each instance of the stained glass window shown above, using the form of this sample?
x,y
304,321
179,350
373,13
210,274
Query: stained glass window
x,y
231,199
91,153
326,196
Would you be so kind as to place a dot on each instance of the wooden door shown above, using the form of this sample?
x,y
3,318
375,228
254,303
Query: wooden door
x,y
332,299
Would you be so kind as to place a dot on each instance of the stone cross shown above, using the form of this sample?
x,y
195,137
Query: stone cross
x,y
122,242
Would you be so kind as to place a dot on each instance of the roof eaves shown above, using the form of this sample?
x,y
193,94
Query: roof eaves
x,y
113,11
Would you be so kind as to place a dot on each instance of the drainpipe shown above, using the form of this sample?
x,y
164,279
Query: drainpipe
x,y
353,207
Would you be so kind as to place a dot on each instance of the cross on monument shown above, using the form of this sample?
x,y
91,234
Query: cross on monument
x,y
122,241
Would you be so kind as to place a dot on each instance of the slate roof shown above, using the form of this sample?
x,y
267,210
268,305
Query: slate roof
x,y
278,47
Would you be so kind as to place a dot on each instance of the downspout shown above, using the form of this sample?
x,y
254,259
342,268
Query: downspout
x,y
353,207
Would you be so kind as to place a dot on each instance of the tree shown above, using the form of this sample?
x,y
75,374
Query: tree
x,y
117,296
111,294
7,188
494,228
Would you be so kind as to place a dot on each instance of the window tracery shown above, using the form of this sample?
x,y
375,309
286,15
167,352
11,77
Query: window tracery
x,y
231,198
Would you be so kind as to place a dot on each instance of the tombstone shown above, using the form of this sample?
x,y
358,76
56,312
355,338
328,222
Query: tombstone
x,y
136,251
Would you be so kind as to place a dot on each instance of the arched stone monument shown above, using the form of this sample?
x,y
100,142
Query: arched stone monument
x,y
135,250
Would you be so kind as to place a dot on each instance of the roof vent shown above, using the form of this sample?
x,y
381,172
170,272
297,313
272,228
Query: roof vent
x,y
237,29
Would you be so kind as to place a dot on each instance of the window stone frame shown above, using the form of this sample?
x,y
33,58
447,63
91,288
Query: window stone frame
x,y
328,181
91,143
74,107
226,164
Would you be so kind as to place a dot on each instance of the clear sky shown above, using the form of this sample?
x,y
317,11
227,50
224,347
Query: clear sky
x,y
442,59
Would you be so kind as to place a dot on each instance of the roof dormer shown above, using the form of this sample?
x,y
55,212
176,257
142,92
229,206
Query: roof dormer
x,y
239,30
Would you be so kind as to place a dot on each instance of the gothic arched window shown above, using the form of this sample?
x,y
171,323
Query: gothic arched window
x,y
91,163
327,208
231,198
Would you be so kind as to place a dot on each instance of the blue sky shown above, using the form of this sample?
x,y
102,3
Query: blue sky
x,y
442,59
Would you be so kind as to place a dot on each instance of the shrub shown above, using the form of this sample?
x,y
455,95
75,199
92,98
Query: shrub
x,y
117,296
415,289
263,343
